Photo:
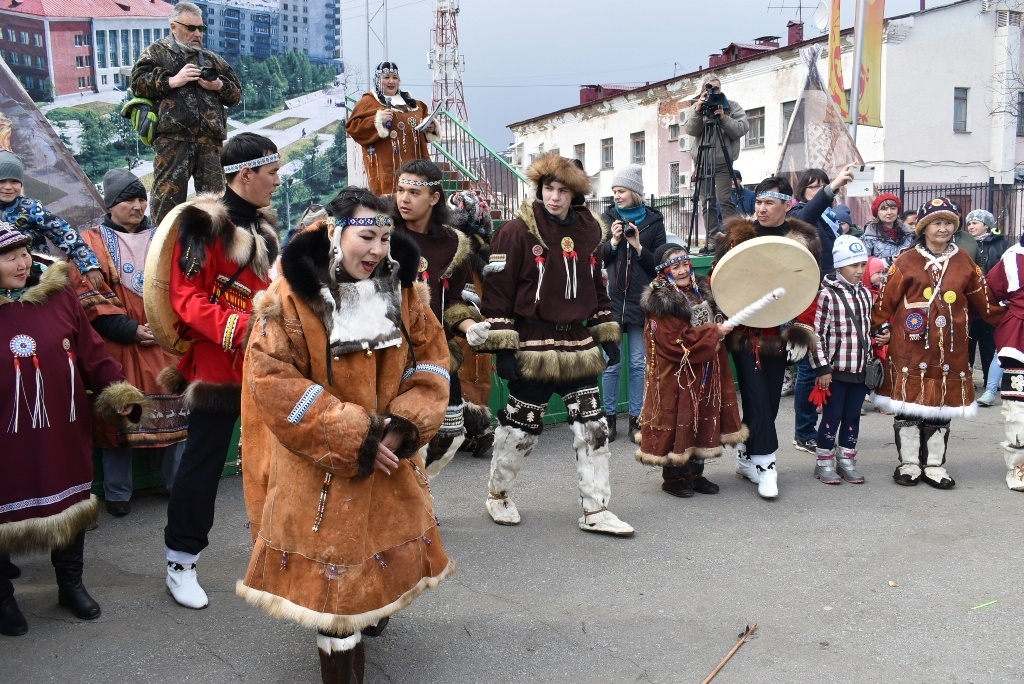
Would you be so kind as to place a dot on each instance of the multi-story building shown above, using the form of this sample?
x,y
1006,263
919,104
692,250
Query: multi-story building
x,y
314,28
66,47
237,28
948,115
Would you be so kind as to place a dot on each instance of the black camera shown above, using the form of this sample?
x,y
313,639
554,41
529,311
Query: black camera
x,y
628,229
715,100
207,72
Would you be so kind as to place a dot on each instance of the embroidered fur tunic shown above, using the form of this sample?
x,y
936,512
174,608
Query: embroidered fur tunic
x,y
543,271
927,301
690,405
339,545
45,498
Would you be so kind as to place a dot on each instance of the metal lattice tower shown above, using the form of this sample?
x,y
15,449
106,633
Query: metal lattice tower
x,y
446,62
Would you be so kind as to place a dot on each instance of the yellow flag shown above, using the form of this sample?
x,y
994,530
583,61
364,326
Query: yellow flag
x,y
835,64
869,110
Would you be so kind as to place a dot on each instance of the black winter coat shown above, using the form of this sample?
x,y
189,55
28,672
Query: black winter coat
x,y
629,274
810,212
991,248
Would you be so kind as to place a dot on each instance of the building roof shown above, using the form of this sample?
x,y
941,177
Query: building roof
x,y
87,9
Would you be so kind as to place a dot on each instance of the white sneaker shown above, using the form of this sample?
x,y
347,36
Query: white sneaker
x,y
183,586
768,481
503,511
605,522
746,468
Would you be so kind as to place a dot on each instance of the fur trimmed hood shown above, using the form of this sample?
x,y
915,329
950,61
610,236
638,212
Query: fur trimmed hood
x,y
205,220
526,213
738,229
553,166
42,287
661,298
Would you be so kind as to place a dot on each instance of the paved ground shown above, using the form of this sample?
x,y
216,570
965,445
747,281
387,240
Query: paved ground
x,y
545,602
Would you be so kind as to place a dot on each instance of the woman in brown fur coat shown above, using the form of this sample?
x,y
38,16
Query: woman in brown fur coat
x,y
690,407
346,377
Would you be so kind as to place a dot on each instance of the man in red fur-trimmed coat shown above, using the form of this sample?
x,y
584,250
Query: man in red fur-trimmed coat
x,y
545,299
221,261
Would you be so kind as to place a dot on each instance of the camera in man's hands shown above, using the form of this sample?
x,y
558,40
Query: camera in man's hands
x,y
714,100
207,72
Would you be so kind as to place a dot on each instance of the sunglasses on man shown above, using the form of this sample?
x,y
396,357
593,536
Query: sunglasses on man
x,y
191,28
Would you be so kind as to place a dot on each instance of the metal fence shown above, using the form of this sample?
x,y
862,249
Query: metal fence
x,y
1006,202
674,208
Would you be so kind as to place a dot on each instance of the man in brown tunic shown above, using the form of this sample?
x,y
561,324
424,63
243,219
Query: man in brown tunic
x,y
545,299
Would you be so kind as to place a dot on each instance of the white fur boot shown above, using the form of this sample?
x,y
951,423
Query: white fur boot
x,y
908,446
767,475
1013,447
511,447
449,445
935,439
590,440
744,466
182,583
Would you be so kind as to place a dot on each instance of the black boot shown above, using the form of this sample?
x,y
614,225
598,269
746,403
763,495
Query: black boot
x,y
483,445
610,419
8,569
343,667
699,483
634,429
67,566
12,622
676,481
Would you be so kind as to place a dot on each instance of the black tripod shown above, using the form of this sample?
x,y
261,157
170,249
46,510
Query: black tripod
x,y
704,185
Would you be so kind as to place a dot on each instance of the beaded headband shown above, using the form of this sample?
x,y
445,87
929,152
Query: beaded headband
x,y
776,195
673,261
386,68
419,182
379,221
253,163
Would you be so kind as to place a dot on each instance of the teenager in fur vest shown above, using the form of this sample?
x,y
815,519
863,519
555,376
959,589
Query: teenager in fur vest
x,y
545,299
690,408
761,354
50,357
928,381
421,213
346,377
221,261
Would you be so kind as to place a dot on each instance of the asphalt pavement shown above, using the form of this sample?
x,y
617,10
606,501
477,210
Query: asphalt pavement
x,y
848,583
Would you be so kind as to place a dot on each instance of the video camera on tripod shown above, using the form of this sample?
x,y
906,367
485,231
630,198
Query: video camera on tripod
x,y
714,100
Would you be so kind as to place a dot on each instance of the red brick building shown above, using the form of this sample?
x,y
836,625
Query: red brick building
x,y
50,45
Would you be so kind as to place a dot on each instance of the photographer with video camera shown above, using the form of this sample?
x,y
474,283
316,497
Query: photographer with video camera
x,y
637,230
190,88
709,116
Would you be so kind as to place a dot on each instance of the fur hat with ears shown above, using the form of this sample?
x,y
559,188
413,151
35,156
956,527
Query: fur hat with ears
x,y
553,167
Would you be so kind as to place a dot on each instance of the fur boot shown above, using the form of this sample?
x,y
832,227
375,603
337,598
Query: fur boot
x,y
342,660
440,451
934,439
590,440
511,447
908,446
1013,447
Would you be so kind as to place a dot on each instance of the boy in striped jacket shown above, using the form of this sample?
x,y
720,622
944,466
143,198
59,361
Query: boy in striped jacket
x,y
842,322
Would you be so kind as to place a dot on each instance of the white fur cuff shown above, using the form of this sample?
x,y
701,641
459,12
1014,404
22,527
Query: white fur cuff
x,y
378,123
329,644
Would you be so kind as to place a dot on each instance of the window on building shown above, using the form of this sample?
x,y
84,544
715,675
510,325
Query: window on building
x,y
607,154
673,177
147,36
960,110
12,35
24,37
637,147
1020,114
40,63
126,57
13,58
87,38
787,113
103,79
167,32
79,62
673,132
78,40
114,60
37,39
101,49
136,43
755,134
305,20
285,7
81,81
579,152
30,83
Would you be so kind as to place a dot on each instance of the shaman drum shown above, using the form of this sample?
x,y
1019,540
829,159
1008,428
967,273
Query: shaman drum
x,y
755,268
157,283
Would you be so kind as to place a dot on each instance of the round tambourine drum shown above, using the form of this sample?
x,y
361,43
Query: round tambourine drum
x,y
756,267
156,286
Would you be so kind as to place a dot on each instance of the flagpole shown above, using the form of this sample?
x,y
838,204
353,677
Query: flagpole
x,y
858,62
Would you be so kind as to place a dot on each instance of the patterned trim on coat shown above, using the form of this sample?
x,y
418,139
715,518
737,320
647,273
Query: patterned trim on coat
x,y
427,368
305,401
1012,388
46,500
229,332
453,424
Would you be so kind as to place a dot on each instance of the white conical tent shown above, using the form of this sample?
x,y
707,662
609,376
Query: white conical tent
x,y
817,137
52,175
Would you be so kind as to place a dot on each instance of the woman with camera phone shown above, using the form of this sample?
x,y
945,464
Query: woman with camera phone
x,y
636,231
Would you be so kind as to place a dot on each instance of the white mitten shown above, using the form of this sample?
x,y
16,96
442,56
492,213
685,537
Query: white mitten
x,y
477,333
795,352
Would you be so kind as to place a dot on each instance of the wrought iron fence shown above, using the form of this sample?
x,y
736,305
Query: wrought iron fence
x,y
674,208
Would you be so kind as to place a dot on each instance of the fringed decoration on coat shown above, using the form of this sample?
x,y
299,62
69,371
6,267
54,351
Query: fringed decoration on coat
x,y
71,367
540,275
571,279
322,505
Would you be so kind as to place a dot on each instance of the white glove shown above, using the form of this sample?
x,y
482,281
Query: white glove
x,y
795,352
478,333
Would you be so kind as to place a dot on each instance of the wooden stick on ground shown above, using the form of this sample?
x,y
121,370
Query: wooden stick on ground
x,y
743,637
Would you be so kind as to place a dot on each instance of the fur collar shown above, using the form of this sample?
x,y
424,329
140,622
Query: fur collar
x,y
738,229
204,220
462,252
54,279
529,217
663,300
356,315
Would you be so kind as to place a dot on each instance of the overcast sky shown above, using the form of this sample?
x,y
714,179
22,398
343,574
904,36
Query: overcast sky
x,y
528,57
